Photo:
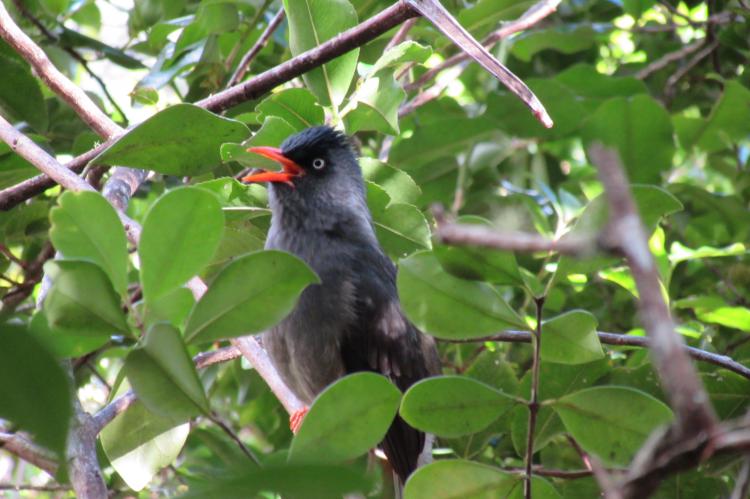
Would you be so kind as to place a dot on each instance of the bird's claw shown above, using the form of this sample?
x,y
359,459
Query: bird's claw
x,y
295,420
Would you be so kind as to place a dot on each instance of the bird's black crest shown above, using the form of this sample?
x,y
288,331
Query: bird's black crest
x,y
316,138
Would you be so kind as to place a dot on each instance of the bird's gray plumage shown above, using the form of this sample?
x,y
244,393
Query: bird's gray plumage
x,y
351,321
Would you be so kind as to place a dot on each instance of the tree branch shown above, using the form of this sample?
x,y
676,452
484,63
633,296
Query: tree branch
x,y
680,381
19,446
485,237
532,16
723,361
54,79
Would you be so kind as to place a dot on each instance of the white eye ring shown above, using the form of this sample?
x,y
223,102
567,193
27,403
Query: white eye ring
x,y
318,163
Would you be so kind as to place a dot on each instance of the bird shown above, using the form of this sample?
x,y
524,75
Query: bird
x,y
351,321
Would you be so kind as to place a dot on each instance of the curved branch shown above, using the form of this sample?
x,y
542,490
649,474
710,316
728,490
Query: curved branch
x,y
54,79
244,64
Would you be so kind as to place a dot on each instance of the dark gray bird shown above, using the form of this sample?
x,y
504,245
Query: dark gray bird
x,y
352,321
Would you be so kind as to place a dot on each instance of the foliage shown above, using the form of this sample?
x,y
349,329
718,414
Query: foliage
x,y
127,318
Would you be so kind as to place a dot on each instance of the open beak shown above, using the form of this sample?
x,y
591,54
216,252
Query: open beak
x,y
289,167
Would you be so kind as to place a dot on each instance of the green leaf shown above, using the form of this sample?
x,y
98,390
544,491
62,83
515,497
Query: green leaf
x,y
715,310
452,406
399,186
297,106
62,343
640,130
312,23
611,421
729,392
571,338
180,140
725,125
408,51
681,253
558,39
139,443
459,479
484,15
81,300
272,133
448,307
13,168
311,481
85,226
174,307
55,7
163,375
637,7
26,106
479,264
378,99
34,389
593,88
251,294
347,419
401,228
180,235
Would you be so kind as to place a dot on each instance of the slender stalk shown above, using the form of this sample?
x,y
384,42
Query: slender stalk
x,y
534,400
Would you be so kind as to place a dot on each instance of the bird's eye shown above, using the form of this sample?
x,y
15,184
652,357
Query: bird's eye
x,y
318,163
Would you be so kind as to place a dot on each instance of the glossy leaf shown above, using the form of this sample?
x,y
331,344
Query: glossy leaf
x,y
85,226
641,132
181,140
347,419
180,235
448,307
611,421
313,481
81,300
139,443
297,106
479,264
249,295
312,23
452,406
401,228
399,186
459,479
163,375
729,392
378,100
715,310
571,338
27,105
34,389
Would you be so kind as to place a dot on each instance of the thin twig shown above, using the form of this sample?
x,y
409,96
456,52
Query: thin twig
x,y
668,59
669,87
597,469
215,419
224,354
723,361
534,399
244,64
485,237
35,488
401,34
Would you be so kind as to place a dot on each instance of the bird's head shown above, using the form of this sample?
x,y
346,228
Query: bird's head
x,y
316,160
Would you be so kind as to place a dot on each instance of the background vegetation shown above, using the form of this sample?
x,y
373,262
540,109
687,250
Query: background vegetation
x,y
541,338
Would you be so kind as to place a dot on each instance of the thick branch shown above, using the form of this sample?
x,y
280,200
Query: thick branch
x,y
18,445
55,80
678,376
327,51
28,150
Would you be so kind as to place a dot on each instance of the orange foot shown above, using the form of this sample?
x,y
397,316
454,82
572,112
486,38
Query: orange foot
x,y
295,420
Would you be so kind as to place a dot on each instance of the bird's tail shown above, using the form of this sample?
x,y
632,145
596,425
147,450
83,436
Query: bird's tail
x,y
406,448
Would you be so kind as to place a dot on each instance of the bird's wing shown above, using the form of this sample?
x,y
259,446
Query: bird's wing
x,y
384,341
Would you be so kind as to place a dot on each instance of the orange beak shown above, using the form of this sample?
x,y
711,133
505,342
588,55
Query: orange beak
x,y
289,167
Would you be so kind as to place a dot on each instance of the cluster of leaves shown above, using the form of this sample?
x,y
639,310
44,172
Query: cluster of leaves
x,y
130,317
